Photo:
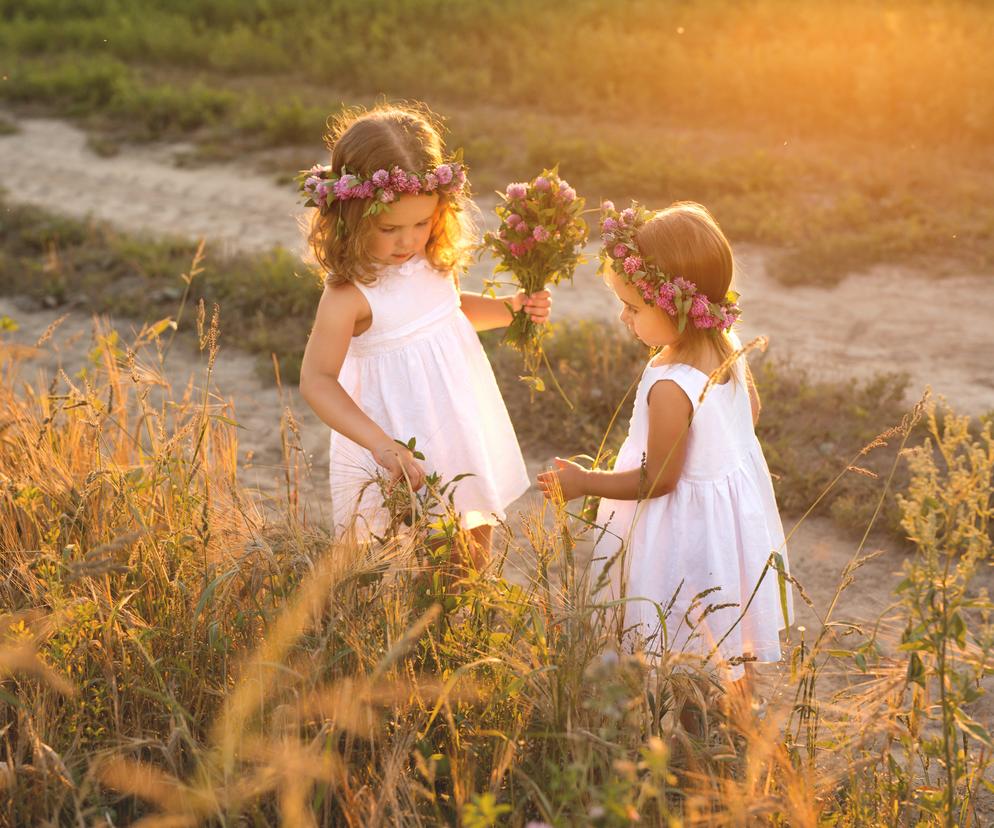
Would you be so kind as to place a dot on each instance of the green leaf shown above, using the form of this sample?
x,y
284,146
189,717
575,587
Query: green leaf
x,y
973,728
211,588
411,446
916,670
782,584
958,629
11,699
226,420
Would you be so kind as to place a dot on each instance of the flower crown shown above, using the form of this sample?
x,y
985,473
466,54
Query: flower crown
x,y
321,187
675,295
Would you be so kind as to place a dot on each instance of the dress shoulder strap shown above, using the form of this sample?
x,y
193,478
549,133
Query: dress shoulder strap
x,y
406,298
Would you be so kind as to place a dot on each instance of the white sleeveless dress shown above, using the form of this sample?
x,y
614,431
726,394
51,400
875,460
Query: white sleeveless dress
x,y
420,371
717,528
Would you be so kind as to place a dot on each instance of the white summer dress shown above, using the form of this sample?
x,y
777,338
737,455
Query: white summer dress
x,y
717,528
420,371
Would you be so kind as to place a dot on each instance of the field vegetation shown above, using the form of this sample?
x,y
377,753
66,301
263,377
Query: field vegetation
x,y
177,650
173,654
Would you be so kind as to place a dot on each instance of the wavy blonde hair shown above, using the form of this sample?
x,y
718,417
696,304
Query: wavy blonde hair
x,y
363,141
685,240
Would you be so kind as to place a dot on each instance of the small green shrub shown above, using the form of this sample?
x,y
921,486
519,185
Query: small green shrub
x,y
153,112
286,122
77,87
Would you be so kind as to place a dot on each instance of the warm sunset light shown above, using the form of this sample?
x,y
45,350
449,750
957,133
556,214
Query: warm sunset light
x,y
517,413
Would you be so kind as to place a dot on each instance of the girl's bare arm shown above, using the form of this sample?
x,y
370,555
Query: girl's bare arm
x,y
342,308
488,312
669,415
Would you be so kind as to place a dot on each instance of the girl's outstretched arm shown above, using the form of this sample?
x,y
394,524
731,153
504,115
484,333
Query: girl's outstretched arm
x,y
669,418
489,312
342,310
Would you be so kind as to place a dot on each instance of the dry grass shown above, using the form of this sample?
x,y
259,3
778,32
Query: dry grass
x,y
177,656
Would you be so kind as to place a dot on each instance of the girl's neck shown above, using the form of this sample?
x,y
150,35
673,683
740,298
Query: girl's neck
x,y
706,359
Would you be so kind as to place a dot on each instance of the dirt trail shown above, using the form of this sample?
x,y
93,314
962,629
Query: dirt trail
x,y
869,322
938,330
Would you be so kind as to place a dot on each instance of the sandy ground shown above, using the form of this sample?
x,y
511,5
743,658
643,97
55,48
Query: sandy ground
x,y
886,318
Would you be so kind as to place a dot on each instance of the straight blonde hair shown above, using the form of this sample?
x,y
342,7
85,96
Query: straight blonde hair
x,y
685,240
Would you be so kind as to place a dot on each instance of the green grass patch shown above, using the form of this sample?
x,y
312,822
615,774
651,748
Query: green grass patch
x,y
106,88
877,70
58,261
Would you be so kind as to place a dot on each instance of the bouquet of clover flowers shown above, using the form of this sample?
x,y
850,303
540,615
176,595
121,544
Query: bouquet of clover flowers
x,y
539,242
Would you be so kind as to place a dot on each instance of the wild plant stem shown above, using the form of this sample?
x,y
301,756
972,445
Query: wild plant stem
x,y
947,723
555,380
195,270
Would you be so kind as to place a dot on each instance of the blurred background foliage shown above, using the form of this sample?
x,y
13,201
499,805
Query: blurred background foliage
x,y
843,133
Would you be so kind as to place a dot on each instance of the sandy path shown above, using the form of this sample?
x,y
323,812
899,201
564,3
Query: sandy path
x,y
870,322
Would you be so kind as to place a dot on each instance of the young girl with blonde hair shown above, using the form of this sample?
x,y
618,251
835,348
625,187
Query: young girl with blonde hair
x,y
689,505
393,353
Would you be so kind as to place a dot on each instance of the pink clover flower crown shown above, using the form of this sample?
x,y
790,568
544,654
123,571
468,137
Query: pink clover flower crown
x,y
321,187
675,295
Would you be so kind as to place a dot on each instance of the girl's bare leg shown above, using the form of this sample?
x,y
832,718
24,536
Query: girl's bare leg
x,y
745,685
479,541
691,720
471,547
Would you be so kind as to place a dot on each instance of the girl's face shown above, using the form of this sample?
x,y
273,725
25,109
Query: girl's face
x,y
402,230
651,325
